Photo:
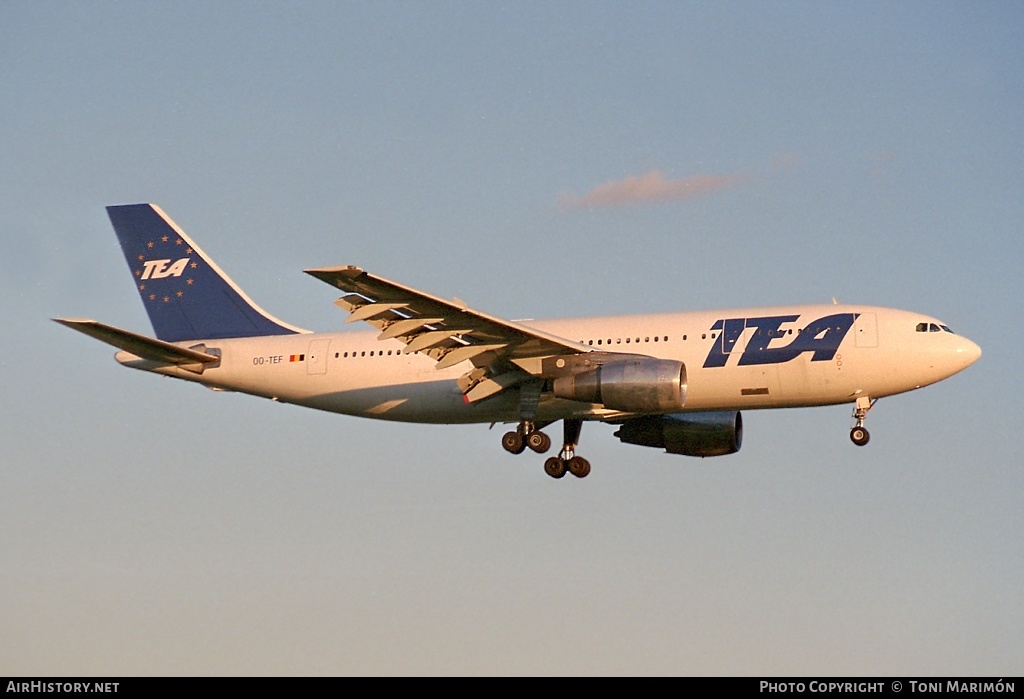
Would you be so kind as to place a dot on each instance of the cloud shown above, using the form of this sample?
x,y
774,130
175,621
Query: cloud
x,y
786,161
649,188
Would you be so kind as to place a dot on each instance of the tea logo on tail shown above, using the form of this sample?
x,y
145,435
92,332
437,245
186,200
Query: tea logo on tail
x,y
167,277
159,269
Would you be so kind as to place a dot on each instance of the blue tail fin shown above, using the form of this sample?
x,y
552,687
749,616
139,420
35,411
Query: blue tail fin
x,y
186,295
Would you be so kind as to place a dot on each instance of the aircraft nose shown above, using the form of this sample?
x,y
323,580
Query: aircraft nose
x,y
967,352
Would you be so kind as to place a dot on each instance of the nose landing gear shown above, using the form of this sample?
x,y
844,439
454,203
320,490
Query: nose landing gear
x,y
859,434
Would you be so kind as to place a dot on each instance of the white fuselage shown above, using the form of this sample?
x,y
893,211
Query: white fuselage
x,y
735,359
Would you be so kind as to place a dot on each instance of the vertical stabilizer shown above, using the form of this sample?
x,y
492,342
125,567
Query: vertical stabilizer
x,y
185,293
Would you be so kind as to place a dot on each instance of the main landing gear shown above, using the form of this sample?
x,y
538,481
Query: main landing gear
x,y
567,460
527,435
859,434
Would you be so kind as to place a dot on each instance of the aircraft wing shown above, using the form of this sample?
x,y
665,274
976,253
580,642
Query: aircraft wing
x,y
448,331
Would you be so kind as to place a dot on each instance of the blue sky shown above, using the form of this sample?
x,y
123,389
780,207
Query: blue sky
x,y
536,161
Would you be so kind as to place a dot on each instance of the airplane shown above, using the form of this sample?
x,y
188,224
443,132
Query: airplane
x,y
674,381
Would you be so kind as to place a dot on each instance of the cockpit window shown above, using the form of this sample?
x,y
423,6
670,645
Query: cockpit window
x,y
933,328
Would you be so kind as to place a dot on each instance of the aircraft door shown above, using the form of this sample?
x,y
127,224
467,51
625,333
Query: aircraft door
x,y
866,330
316,359
729,337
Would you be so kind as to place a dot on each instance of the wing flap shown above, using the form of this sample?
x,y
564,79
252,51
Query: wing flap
x,y
433,338
488,387
372,310
461,354
408,326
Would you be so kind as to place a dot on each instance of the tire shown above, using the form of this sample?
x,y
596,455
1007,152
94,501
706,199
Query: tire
x,y
513,443
538,442
554,467
859,436
579,467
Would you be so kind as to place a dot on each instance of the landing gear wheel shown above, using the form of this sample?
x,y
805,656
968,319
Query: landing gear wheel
x,y
554,467
538,441
860,436
579,467
513,442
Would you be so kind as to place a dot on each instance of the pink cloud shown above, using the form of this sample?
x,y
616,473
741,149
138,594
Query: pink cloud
x,y
650,188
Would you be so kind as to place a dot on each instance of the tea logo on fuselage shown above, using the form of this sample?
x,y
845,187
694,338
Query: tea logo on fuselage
x,y
822,337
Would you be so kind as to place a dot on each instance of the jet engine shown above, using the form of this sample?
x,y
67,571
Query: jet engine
x,y
690,434
643,384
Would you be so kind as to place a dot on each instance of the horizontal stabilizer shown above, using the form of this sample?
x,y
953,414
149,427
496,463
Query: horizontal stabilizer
x,y
140,345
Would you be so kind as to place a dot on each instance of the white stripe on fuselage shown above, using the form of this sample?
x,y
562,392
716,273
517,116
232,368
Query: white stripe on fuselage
x,y
880,355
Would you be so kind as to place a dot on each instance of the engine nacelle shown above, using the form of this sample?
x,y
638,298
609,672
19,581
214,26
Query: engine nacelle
x,y
690,434
643,384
